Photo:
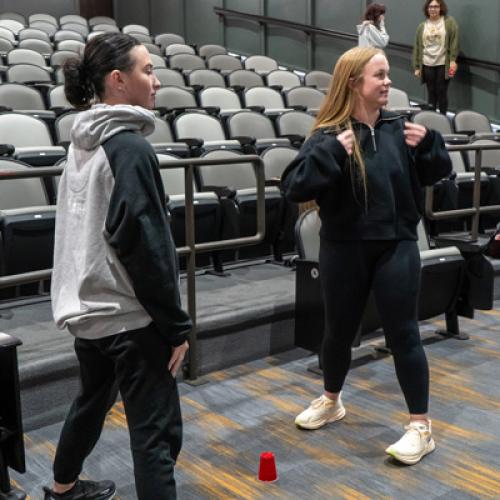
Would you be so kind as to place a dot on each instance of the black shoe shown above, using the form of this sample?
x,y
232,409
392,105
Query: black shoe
x,y
84,490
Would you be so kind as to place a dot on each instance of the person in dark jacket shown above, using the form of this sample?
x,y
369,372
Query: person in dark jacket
x,y
365,167
115,282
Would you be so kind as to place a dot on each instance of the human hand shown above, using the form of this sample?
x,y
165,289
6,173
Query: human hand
x,y
414,134
346,138
417,73
177,357
453,69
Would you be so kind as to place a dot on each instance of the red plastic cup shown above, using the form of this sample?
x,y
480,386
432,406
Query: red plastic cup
x,y
267,467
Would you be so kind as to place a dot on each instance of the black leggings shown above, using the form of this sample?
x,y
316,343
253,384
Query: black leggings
x,y
437,87
349,270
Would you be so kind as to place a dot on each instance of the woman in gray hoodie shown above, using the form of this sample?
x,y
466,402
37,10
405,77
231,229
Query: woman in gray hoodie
x,y
371,32
115,283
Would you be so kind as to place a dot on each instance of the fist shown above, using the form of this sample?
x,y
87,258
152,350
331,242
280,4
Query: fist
x,y
417,73
414,134
346,138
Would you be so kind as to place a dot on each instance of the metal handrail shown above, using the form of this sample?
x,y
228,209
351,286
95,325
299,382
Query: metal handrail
x,y
190,249
340,35
476,210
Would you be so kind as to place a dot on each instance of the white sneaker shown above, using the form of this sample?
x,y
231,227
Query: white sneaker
x,y
415,443
321,411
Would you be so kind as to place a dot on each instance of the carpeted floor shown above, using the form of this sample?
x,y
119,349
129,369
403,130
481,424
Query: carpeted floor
x,y
249,409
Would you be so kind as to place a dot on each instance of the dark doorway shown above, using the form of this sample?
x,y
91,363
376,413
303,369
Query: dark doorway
x,y
91,8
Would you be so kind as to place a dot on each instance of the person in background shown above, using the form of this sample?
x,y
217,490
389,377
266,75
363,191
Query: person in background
x,y
435,52
115,283
365,166
371,32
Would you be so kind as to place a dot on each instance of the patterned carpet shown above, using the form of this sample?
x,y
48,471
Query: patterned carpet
x,y
249,409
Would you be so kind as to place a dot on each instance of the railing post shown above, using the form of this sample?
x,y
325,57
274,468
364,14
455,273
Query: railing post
x,y
476,197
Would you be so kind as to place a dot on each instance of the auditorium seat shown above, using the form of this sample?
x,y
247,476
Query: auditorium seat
x,y
163,142
186,62
170,77
475,124
178,48
60,56
101,20
238,182
77,27
226,100
5,46
203,78
319,79
283,78
209,50
224,63
135,28
257,126
26,56
12,25
165,39
28,73
244,78
46,18
158,61
152,48
26,226
40,46
306,97
442,273
48,27
73,18
295,123
13,16
196,125
63,126
106,28
441,123
261,64
207,209
264,97
65,36
142,38
7,34
31,139
58,101
399,102
174,98
33,33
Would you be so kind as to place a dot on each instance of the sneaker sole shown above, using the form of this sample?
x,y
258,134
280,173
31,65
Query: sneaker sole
x,y
414,459
310,427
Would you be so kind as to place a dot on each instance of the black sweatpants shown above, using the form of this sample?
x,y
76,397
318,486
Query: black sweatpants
x,y
135,363
437,87
349,270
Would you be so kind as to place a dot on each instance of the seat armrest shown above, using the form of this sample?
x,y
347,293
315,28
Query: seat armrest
x,y
220,191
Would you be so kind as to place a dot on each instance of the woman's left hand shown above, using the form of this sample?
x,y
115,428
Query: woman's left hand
x,y
414,134
453,68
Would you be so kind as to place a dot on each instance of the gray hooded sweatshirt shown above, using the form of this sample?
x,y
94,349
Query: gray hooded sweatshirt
x,y
371,36
115,265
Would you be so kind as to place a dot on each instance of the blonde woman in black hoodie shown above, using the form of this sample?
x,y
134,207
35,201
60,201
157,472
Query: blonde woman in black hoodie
x,y
364,167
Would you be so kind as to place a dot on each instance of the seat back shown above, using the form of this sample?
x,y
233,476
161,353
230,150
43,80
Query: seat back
x,y
489,158
398,99
172,178
73,18
47,18
141,37
210,50
69,40
21,73
13,16
165,39
24,131
276,159
152,48
318,79
246,79
206,78
17,96
250,124
186,62
101,20
472,120
63,126
423,239
284,78
223,62
264,96
158,61
33,33
7,34
59,57
40,46
57,98
161,133
236,176
168,76
225,99
106,28
307,238
295,123
174,97
12,25
198,126
20,193
261,64
49,28
135,28
178,48
309,97
25,56
77,27
434,120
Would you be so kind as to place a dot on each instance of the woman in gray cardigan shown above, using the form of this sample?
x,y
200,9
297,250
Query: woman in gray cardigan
x,y
435,52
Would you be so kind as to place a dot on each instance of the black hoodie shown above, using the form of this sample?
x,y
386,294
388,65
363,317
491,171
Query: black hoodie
x,y
395,175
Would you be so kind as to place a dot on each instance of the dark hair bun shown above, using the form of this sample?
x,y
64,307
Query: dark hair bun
x,y
77,84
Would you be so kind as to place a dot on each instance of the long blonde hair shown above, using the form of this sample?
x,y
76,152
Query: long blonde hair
x,y
340,101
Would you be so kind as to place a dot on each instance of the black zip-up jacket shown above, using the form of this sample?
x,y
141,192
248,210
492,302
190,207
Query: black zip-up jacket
x,y
395,175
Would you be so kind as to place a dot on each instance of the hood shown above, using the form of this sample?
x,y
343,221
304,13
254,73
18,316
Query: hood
x,y
361,28
96,125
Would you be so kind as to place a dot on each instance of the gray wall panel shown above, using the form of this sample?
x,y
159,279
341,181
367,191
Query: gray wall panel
x,y
56,8
203,27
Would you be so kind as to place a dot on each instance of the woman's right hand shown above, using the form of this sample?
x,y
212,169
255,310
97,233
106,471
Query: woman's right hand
x,y
346,138
417,73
